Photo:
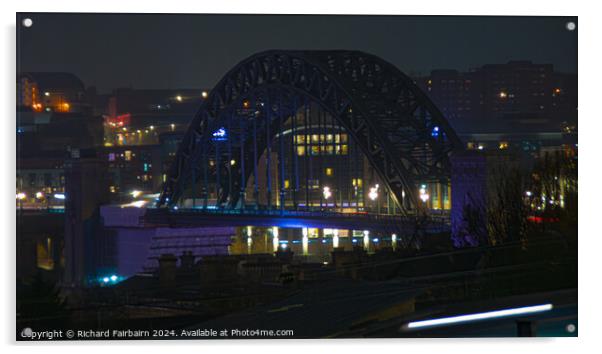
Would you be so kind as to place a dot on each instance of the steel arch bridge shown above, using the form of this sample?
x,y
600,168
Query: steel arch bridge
x,y
403,136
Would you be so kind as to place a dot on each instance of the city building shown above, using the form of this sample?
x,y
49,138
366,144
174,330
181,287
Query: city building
x,y
519,97
52,92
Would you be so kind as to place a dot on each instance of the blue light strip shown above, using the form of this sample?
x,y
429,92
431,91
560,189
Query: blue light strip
x,y
479,316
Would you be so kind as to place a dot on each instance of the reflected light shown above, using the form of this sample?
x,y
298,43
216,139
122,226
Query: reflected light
x,y
136,204
135,193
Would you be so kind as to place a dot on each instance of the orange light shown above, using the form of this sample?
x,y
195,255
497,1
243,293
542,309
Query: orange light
x,y
37,107
246,104
557,90
63,107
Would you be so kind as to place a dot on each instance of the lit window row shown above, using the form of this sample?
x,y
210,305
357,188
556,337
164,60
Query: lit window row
x,y
322,150
321,138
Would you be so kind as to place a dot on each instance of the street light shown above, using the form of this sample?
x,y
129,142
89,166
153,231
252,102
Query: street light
x,y
424,196
305,241
373,194
335,238
326,192
275,240
366,239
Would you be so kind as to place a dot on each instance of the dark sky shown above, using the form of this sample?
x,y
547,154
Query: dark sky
x,y
194,51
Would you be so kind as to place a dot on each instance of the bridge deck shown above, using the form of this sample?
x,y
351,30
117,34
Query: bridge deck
x,y
292,219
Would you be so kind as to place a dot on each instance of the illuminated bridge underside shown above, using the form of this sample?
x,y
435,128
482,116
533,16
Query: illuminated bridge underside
x,y
403,136
387,224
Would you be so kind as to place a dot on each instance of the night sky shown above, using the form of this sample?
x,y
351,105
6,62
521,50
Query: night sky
x,y
194,51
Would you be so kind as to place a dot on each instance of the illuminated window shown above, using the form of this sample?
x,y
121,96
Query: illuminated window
x,y
313,233
343,150
128,155
356,182
503,145
329,171
300,150
287,184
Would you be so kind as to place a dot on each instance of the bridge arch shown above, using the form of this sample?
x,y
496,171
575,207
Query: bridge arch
x,y
404,137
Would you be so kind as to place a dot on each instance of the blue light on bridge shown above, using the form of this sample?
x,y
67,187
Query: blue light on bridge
x,y
110,280
435,132
220,135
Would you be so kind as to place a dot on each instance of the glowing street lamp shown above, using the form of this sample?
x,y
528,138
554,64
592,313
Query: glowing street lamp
x,y
305,241
373,194
335,238
326,192
204,94
275,240
39,195
366,239
21,196
424,196
249,239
